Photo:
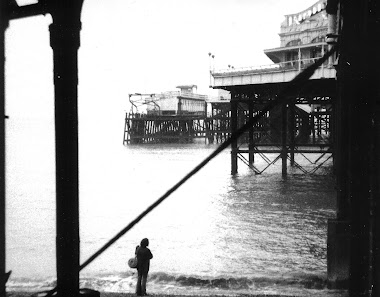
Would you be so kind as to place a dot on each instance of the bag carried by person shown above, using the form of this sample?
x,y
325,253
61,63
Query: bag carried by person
x,y
132,262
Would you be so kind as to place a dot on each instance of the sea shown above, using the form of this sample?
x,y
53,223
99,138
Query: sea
x,y
217,234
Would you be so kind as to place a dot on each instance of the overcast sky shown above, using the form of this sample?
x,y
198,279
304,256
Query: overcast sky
x,y
144,46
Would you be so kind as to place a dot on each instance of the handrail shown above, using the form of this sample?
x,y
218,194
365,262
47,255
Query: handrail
x,y
287,65
171,94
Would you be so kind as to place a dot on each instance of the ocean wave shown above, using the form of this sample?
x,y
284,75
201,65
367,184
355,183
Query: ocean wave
x,y
241,283
160,281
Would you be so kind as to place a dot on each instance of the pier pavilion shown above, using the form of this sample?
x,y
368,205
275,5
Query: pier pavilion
x,y
176,116
306,125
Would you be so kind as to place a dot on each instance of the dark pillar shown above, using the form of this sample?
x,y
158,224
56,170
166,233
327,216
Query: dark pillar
x,y
4,25
65,41
234,127
333,129
375,190
358,92
179,112
374,93
292,129
338,253
284,153
251,144
312,124
339,233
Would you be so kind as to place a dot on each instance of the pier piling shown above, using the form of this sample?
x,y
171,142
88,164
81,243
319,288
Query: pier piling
x,y
234,127
284,130
4,24
65,42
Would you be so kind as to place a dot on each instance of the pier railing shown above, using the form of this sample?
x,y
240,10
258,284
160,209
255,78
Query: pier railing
x,y
172,94
281,66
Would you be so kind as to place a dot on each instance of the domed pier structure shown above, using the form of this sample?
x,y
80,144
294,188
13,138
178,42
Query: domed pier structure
x,y
302,127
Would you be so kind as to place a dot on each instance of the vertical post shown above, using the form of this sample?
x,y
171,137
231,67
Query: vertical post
x,y
284,153
375,190
292,128
205,123
4,24
358,87
339,233
234,124
299,59
375,172
323,64
65,41
179,112
251,145
312,122
332,124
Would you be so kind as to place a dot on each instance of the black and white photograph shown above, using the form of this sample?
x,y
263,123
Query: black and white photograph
x,y
170,148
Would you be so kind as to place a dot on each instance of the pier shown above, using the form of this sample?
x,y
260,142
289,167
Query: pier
x,y
308,122
176,117
344,108
306,125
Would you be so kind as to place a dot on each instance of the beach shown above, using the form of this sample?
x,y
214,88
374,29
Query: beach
x,y
107,294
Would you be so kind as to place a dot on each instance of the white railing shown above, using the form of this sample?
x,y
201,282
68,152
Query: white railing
x,y
218,99
193,95
282,66
171,94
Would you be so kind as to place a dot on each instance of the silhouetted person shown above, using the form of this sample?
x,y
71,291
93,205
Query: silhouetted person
x,y
143,261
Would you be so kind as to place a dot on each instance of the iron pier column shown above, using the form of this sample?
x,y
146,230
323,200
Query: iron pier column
x,y
251,144
284,152
292,128
65,41
375,193
234,127
4,25
358,165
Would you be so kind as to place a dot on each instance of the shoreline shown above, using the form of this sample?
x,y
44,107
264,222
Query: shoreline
x,y
114,294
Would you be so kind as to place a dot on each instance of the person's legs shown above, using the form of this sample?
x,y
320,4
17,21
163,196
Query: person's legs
x,y
139,291
143,283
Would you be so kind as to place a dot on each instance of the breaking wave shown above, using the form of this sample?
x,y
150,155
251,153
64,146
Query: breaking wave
x,y
167,283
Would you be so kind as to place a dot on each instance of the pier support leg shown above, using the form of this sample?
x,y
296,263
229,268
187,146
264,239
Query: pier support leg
x,y
234,124
292,129
358,144
338,253
251,145
65,41
375,216
4,25
312,124
339,233
284,153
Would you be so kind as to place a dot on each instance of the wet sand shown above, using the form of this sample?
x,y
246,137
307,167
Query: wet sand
x,y
107,294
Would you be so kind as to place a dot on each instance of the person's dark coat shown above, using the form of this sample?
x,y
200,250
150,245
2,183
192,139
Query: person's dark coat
x,y
143,258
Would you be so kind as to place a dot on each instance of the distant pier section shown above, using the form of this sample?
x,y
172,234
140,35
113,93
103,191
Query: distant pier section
x,y
176,117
